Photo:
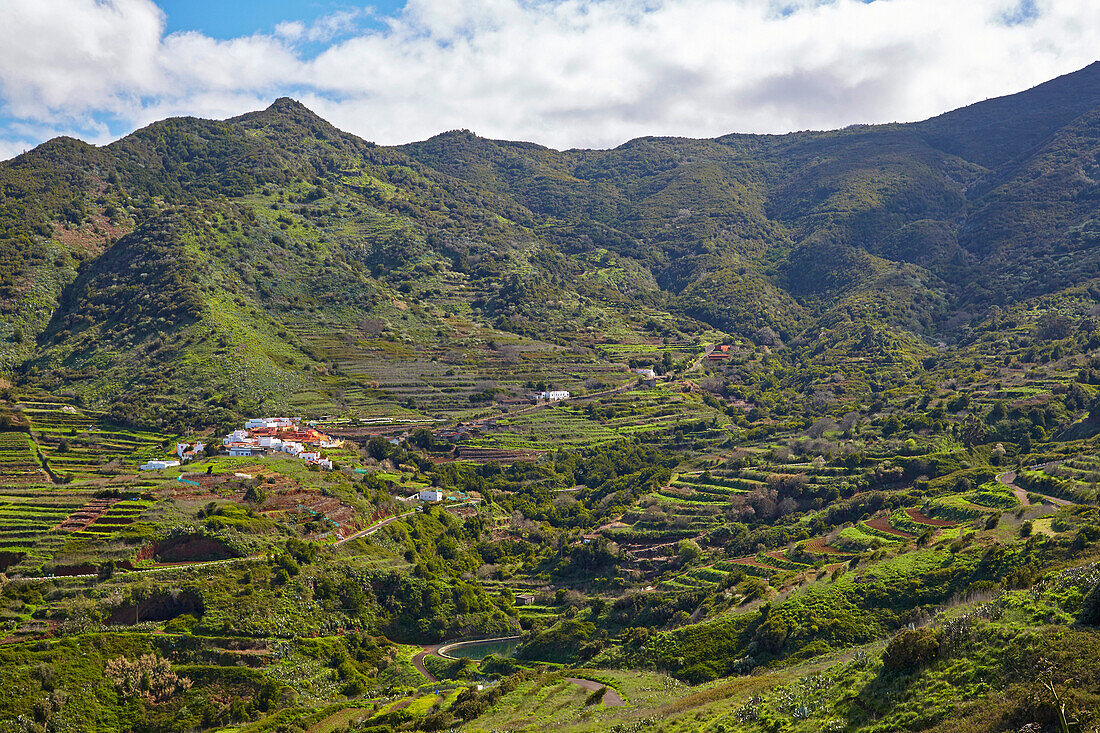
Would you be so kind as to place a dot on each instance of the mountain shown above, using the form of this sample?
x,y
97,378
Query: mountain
x,y
828,461
271,261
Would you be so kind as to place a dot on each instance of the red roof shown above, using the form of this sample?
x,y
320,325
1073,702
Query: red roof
x,y
304,436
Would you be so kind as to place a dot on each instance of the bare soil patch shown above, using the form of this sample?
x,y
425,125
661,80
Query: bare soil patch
x,y
920,518
882,524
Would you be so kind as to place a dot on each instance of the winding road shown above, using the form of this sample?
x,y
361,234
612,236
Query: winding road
x,y
418,661
611,698
1007,479
375,527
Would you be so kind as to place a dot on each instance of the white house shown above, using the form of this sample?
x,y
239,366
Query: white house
x,y
431,495
554,395
186,451
270,422
309,456
292,448
157,465
240,450
237,436
269,441
325,463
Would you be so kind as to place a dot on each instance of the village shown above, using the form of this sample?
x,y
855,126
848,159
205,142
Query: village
x,y
260,437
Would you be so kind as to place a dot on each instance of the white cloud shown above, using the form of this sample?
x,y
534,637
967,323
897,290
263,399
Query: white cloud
x,y
12,148
565,73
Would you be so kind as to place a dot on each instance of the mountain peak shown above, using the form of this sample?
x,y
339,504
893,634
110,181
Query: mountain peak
x,y
284,105
290,117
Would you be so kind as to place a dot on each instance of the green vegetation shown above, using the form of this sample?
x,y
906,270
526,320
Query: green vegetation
x,y
830,459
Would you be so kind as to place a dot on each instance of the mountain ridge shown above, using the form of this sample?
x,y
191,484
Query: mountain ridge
x,y
906,225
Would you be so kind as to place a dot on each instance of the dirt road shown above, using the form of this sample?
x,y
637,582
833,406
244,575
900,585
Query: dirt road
x,y
418,662
611,698
1008,477
375,527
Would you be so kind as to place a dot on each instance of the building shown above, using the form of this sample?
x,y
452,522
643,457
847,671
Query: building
x,y
263,435
157,465
647,377
188,452
525,599
554,395
431,495
237,436
271,422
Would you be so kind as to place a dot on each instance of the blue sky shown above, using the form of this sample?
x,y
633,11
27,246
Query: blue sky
x,y
231,18
564,73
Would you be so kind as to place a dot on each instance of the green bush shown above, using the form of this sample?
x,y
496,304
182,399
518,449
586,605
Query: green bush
x,y
911,649
1089,614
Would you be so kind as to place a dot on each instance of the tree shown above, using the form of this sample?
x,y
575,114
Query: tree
x,y
106,570
378,448
911,648
1089,615
890,426
688,550
255,495
1053,326
972,432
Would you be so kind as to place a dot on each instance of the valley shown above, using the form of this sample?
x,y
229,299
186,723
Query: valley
x,y
757,433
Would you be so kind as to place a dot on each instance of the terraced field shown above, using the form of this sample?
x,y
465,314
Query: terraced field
x,y
19,460
78,442
115,518
448,365
28,526
1076,479
604,419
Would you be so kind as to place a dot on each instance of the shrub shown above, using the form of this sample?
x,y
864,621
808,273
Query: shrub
x,y
911,649
689,550
596,697
1090,608
149,676
181,624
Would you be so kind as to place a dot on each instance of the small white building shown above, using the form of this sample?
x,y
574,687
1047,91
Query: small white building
x,y
431,495
554,395
309,456
325,463
240,450
237,436
292,448
158,465
270,422
187,451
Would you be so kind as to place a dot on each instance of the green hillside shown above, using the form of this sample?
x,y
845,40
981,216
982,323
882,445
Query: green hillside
x,y
829,458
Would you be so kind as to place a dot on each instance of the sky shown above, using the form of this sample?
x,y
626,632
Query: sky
x,y
564,73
